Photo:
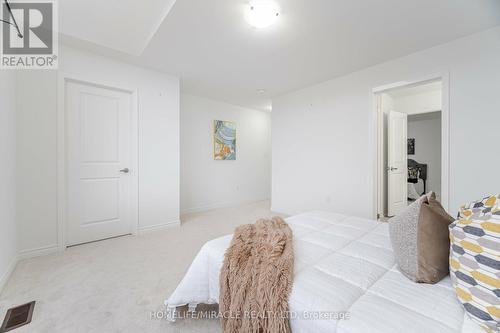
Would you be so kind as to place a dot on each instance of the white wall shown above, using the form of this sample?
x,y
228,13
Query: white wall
x,y
37,161
323,150
158,104
426,130
8,230
206,183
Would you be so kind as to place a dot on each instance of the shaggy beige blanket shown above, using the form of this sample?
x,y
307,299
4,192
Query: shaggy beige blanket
x,y
256,278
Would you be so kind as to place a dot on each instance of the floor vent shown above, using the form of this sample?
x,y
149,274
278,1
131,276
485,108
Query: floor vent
x,y
17,317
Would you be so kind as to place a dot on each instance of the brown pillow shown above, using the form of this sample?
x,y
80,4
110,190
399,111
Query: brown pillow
x,y
433,241
420,240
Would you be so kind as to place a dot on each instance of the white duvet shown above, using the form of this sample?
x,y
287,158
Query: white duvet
x,y
342,264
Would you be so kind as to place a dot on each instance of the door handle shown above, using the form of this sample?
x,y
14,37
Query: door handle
x,y
392,168
126,170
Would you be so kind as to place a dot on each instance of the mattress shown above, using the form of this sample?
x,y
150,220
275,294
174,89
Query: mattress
x,y
345,281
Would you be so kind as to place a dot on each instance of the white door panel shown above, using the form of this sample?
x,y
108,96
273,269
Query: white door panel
x,y
96,191
99,146
99,126
397,172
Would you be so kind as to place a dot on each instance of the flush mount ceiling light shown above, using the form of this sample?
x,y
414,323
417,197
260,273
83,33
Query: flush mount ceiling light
x,y
262,13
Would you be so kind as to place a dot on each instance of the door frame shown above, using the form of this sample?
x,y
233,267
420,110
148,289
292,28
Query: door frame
x,y
377,131
63,80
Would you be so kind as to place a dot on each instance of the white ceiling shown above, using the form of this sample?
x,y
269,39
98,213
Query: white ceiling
x,y
123,25
217,54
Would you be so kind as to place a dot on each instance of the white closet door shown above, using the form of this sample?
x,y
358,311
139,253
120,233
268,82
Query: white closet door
x,y
98,161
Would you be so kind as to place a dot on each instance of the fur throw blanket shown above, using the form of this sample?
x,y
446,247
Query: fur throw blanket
x,y
256,278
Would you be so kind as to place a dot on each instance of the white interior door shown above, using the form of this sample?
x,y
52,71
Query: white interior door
x,y
397,170
98,161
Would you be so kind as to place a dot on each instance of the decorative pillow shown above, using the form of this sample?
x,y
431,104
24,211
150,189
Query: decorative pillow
x,y
420,240
482,209
475,261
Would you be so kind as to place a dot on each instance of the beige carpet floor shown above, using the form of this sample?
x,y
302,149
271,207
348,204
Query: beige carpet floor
x,y
115,285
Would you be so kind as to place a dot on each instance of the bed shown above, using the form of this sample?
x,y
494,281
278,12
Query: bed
x,y
345,281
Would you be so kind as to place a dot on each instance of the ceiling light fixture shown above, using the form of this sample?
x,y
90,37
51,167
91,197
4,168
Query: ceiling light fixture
x,y
262,13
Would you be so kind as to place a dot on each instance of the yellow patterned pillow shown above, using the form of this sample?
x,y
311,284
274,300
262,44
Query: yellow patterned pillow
x,y
475,261
477,210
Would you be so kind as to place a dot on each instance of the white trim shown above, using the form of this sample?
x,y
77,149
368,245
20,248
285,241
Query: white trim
x,y
134,160
8,273
61,163
158,227
445,135
377,101
37,252
217,205
61,149
445,141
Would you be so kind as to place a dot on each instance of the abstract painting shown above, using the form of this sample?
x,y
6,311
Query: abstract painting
x,y
224,140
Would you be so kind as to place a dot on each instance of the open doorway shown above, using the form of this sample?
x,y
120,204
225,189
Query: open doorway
x,y
411,144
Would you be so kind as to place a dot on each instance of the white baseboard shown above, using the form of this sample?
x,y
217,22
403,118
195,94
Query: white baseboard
x,y
217,205
157,227
4,278
279,211
37,252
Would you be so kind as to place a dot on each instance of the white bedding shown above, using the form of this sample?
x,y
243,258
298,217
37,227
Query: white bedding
x,y
342,264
